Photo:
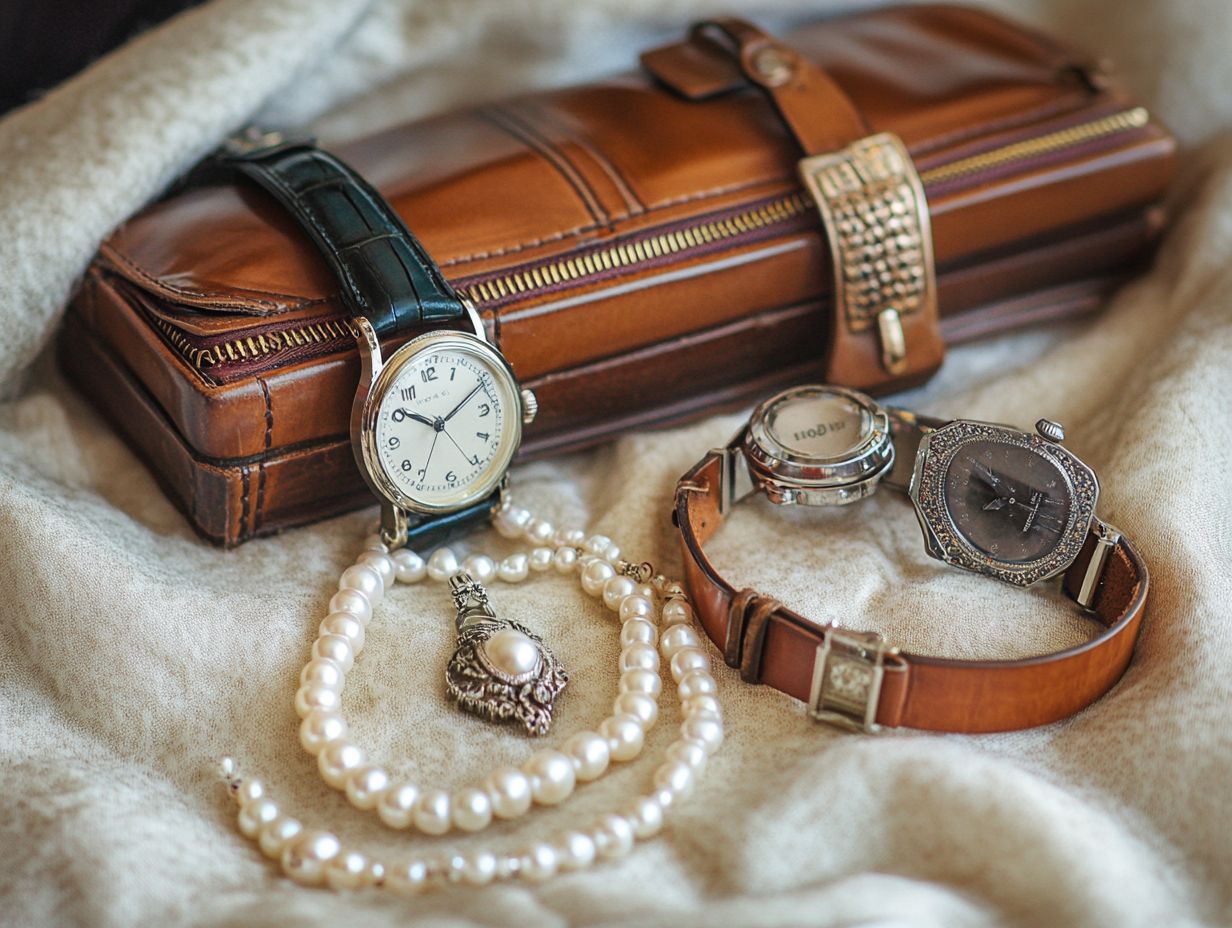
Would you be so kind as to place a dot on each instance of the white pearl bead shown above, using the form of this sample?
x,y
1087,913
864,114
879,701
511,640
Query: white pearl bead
x,y
255,814
472,809
565,560
636,606
409,567
640,706
481,567
249,790
677,612
646,591
323,672
707,730
539,863
689,752
396,807
595,575
335,648
637,631
382,563
442,565
613,836
315,696
510,791
677,637
687,660
408,878
639,656
645,816
570,537
374,543
347,870
696,683
576,851
540,531
273,836
514,568
319,728
479,868
597,545
337,759
433,815
641,681
590,754
305,856
552,776
704,702
354,602
364,579
511,521
615,591
364,786
625,736
676,776
346,625
541,559
512,652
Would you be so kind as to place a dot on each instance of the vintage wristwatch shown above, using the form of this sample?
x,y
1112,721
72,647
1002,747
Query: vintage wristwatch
x,y
434,425
1016,506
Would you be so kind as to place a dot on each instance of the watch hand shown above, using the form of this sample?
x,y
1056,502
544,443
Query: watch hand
x,y
453,412
424,470
998,503
456,445
417,417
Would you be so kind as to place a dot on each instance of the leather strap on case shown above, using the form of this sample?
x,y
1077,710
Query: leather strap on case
x,y
884,325
383,271
857,680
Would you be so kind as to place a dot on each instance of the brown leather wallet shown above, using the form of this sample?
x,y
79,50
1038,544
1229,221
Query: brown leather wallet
x,y
853,678
643,249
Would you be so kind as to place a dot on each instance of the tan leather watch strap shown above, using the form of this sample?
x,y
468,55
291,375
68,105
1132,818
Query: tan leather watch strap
x,y
884,330
854,677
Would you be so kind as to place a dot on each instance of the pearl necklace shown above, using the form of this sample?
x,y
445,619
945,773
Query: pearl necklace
x,y
548,777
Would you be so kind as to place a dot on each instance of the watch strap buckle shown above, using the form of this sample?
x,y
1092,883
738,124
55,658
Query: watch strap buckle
x,y
848,670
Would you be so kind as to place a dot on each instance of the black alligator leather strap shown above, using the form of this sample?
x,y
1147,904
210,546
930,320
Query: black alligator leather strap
x,y
383,271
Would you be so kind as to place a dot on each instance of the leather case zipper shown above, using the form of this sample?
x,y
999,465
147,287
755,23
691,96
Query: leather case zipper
x,y
271,345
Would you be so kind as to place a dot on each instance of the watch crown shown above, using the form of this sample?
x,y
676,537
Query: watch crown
x,y
530,406
1050,430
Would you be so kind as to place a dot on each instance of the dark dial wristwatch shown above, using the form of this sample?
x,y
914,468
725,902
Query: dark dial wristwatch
x,y
434,425
1013,505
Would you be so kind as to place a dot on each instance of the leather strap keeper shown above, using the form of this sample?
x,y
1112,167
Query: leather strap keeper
x,y
773,645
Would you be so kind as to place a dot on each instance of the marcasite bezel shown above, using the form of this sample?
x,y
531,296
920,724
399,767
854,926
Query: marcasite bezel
x,y
791,478
946,542
461,342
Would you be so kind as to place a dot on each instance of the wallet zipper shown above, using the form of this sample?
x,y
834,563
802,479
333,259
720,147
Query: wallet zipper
x,y
693,237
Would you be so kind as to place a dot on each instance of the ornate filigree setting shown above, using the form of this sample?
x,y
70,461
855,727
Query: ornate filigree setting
x,y
501,670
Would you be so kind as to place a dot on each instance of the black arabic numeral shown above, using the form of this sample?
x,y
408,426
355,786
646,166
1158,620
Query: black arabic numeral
x,y
484,409
451,477
428,374
453,372
398,415
394,441
475,459
406,464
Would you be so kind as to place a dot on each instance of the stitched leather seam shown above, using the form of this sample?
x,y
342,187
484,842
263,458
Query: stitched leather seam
x,y
243,534
506,121
274,304
633,204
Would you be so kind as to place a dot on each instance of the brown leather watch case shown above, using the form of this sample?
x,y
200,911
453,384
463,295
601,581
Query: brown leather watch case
x,y
641,249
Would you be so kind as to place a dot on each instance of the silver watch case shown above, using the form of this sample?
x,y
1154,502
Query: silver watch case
x,y
789,477
943,539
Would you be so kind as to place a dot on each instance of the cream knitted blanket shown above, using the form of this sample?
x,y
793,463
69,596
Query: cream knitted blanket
x,y
133,656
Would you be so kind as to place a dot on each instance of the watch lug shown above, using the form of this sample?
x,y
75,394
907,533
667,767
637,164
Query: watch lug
x,y
737,480
476,321
370,364
395,524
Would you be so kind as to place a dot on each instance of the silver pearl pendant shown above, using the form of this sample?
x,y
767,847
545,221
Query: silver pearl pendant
x,y
500,670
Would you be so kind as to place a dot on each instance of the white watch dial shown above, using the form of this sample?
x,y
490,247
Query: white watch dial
x,y
446,426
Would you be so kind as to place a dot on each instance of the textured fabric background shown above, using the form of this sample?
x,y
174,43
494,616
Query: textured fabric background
x,y
132,656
